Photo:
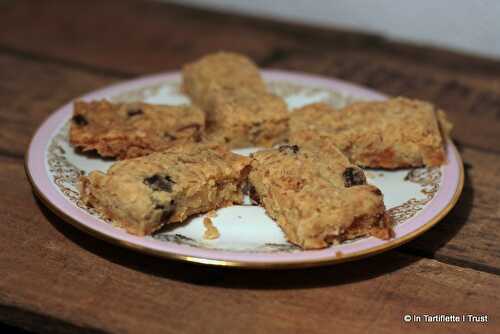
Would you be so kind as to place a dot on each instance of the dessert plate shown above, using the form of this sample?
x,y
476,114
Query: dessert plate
x,y
416,198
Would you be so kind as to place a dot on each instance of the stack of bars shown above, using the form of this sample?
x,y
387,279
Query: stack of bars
x,y
176,160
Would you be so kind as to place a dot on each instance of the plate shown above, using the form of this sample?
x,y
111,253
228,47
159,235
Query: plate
x,y
416,198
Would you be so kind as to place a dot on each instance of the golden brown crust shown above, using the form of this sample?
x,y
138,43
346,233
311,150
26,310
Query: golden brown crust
x,y
240,112
143,194
317,200
244,118
396,133
129,130
218,71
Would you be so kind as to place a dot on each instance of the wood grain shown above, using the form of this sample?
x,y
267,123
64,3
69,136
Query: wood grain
x,y
90,284
130,36
92,33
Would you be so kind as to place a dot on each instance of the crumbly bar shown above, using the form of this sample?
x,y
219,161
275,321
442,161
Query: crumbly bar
x,y
142,194
129,130
245,118
317,199
240,111
219,71
396,133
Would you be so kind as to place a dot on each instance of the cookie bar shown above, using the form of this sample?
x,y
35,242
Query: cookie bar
x,y
245,118
395,133
128,130
142,194
239,110
317,199
217,71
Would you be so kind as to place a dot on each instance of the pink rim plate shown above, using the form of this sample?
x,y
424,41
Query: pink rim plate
x,y
444,200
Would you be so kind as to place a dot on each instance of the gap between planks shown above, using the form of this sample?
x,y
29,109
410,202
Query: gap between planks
x,y
41,58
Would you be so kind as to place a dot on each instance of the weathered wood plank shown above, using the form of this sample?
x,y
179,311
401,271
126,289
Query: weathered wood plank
x,y
163,36
53,270
472,105
30,91
130,36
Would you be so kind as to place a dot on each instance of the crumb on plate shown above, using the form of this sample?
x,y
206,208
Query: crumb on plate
x,y
211,232
212,214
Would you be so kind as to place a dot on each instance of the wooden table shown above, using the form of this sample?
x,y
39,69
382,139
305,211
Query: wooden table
x,y
54,278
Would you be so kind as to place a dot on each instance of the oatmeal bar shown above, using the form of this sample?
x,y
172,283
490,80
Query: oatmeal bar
x,y
244,118
221,70
395,133
142,194
239,110
128,130
317,199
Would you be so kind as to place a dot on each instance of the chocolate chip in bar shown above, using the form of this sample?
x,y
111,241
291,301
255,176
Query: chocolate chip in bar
x,y
353,177
159,183
80,120
289,149
134,112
